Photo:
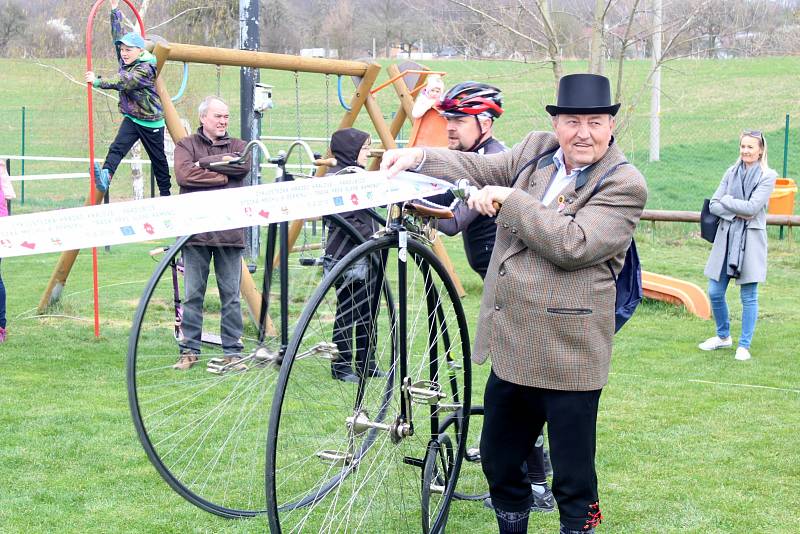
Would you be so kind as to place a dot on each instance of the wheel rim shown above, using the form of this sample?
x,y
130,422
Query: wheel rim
x,y
369,479
203,432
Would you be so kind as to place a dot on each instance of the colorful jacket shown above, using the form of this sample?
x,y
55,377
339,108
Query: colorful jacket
x,y
6,192
136,82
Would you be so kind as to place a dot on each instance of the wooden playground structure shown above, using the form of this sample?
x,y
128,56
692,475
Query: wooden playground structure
x,y
406,84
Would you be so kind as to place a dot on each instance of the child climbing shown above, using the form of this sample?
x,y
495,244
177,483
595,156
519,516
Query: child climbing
x,y
140,105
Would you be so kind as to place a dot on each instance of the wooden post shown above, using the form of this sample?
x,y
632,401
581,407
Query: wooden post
x,y
65,262
406,105
252,297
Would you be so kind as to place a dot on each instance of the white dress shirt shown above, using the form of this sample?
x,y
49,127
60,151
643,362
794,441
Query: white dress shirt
x,y
561,180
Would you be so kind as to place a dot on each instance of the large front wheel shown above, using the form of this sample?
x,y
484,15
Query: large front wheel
x,y
350,455
203,427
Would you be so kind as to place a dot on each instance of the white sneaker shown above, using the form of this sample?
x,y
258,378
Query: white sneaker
x,y
716,342
742,354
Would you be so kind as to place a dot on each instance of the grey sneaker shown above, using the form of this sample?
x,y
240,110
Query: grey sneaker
x,y
543,502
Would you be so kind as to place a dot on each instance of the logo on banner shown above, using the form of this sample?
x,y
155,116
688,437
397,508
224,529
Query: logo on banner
x,y
149,228
127,230
354,199
338,201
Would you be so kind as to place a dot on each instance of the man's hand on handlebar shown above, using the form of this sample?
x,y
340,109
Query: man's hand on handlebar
x,y
488,199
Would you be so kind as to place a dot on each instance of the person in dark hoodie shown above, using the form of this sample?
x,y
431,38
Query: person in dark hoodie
x,y
356,302
140,105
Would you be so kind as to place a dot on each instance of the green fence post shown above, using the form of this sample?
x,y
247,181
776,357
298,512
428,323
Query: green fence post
x,y
785,160
22,167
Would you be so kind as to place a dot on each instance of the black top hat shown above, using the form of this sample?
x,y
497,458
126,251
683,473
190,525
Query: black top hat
x,y
583,94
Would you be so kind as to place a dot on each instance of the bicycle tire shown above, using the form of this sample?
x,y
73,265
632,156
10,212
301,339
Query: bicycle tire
x,y
310,409
203,432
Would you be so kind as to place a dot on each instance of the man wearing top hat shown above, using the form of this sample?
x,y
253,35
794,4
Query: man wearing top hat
x,y
547,313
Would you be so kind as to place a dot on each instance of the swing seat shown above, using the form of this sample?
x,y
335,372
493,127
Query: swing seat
x,y
429,130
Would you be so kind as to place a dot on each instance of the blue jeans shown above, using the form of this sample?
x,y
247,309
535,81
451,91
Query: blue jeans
x,y
228,270
749,296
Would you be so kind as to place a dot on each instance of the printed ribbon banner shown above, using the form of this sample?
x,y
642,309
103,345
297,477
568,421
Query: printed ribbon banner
x,y
164,217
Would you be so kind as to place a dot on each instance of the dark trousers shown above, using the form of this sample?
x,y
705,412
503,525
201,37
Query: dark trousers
x,y
2,302
228,270
153,142
357,302
513,417
535,464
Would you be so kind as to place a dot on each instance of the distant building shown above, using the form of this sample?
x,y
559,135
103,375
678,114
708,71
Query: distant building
x,y
319,52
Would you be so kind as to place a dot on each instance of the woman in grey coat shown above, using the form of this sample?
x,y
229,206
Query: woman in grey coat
x,y
740,246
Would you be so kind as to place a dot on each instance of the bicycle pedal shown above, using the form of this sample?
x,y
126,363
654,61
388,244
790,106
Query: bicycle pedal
x,y
414,462
311,262
324,349
216,366
437,488
263,355
449,407
425,392
336,458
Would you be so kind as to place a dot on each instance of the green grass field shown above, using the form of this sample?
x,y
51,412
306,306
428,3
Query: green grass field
x,y
687,441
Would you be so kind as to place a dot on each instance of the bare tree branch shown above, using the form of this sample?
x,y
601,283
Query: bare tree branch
x,y
503,25
70,78
179,15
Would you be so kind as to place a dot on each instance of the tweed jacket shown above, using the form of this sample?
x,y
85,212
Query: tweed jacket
x,y
547,312
754,263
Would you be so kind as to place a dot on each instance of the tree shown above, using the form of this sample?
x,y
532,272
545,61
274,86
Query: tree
x,y
338,28
13,23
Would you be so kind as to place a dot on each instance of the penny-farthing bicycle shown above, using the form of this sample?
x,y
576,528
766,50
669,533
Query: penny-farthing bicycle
x,y
382,454
203,428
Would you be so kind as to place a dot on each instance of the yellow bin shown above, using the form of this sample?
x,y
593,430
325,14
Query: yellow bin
x,y
781,201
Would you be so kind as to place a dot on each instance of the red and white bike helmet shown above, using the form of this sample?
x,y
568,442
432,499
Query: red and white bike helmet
x,y
472,98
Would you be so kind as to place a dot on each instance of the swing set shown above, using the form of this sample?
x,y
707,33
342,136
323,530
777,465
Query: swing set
x,y
407,79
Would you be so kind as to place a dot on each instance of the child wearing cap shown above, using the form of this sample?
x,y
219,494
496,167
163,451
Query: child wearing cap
x,y
140,105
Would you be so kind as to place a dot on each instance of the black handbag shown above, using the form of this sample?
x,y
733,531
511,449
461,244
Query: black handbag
x,y
708,223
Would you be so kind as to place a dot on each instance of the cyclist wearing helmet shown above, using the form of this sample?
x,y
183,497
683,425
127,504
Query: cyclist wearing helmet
x,y
470,109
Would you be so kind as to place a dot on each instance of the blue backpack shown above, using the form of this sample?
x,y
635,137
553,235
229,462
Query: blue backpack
x,y
629,280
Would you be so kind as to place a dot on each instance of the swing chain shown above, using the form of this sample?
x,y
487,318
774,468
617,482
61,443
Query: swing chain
x,y
297,101
327,109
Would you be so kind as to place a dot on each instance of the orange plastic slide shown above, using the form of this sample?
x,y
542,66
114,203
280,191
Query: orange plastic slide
x,y
678,292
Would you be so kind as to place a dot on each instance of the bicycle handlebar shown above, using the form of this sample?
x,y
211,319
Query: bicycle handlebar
x,y
464,189
280,159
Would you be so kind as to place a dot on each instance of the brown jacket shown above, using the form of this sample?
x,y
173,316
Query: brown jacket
x,y
199,148
547,313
